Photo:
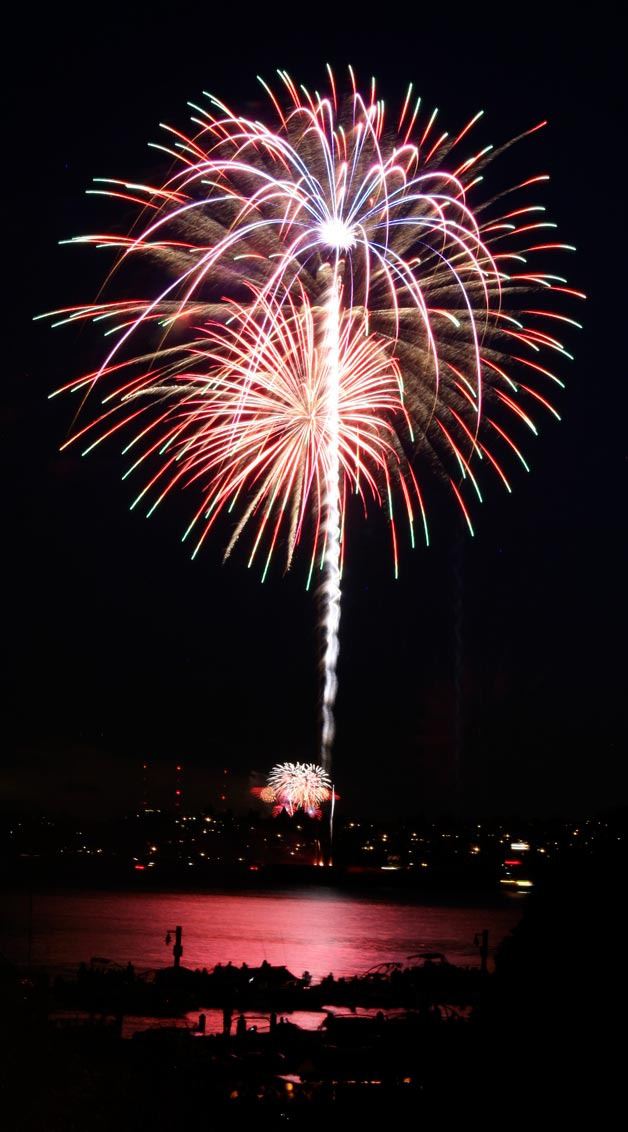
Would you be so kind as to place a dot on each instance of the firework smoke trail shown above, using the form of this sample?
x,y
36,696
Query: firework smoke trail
x,y
330,589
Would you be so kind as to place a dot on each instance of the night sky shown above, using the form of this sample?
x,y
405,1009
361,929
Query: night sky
x,y
489,677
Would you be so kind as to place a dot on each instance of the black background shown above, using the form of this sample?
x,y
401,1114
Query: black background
x,y
489,677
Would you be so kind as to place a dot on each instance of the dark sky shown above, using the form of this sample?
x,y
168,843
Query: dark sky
x,y
508,649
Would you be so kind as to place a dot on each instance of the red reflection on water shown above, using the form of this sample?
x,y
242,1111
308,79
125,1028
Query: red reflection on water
x,y
318,930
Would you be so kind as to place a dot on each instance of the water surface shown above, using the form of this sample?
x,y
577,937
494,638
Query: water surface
x,y
314,929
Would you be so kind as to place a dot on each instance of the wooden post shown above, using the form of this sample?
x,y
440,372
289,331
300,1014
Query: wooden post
x,y
177,950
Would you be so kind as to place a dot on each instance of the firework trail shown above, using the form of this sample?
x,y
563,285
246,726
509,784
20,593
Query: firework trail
x,y
335,313
331,504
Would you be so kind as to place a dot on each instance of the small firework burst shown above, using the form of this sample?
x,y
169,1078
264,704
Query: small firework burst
x,y
297,786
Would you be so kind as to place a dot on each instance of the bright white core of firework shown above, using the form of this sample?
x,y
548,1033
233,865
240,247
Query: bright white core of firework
x,y
336,234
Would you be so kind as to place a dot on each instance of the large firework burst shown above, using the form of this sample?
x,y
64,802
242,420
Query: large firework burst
x,y
334,310
248,414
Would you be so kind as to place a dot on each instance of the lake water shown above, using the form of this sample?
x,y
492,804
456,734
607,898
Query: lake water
x,y
315,929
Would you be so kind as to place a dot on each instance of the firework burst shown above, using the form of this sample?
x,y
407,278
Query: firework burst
x,y
246,416
337,310
297,786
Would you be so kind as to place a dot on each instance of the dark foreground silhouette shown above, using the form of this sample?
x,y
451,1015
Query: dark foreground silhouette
x,y
538,1039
